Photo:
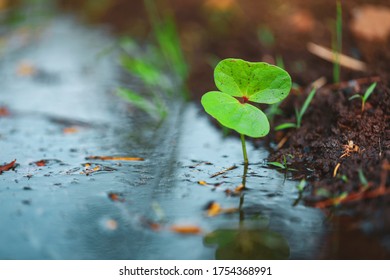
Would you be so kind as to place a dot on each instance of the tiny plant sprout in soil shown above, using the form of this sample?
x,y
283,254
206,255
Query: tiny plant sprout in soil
x,y
241,82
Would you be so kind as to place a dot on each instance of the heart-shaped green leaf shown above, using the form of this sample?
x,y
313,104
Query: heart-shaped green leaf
x,y
242,117
258,81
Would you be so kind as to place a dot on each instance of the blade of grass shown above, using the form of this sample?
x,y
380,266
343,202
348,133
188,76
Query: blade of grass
x,y
306,103
354,97
369,91
277,164
285,126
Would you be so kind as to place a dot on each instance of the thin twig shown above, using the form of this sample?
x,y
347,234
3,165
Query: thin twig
x,y
333,57
223,171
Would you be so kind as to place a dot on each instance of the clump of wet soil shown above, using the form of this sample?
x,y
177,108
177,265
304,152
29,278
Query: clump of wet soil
x,y
323,142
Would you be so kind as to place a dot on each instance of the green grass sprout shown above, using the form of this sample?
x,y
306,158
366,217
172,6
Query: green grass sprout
x,y
284,165
365,96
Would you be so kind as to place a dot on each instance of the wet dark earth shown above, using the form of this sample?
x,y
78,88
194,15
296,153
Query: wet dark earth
x,y
168,191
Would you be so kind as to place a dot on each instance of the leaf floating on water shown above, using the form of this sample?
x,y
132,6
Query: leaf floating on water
x,y
236,191
213,209
40,162
186,229
114,158
203,183
239,188
116,197
89,169
7,166
70,130
4,112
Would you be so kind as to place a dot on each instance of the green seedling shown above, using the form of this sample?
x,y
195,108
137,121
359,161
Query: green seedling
x,y
301,186
299,113
284,165
363,179
365,96
240,83
343,178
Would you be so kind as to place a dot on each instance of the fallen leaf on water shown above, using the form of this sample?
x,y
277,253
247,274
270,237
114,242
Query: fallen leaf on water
x,y
186,229
70,130
236,191
203,183
7,166
40,162
114,158
371,22
116,197
213,209
4,112
239,188
92,168
26,69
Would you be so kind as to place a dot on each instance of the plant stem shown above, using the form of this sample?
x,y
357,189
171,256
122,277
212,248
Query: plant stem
x,y
244,149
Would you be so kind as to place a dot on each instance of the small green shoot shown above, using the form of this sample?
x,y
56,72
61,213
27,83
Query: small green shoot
x,y
241,82
363,179
284,165
299,113
343,178
366,95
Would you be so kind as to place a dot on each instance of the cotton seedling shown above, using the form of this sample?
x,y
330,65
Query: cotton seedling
x,y
241,83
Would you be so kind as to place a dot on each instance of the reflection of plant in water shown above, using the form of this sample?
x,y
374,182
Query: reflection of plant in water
x,y
240,83
162,68
245,244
